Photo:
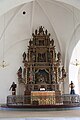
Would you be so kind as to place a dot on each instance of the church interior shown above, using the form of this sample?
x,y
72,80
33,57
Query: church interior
x,y
39,57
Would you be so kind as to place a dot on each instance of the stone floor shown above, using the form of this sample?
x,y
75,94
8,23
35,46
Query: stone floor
x,y
50,115
46,118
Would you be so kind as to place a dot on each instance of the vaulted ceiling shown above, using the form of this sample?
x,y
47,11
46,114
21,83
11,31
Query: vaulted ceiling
x,y
60,17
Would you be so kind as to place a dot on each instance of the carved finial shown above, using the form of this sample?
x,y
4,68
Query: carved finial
x,y
24,56
19,73
36,31
46,31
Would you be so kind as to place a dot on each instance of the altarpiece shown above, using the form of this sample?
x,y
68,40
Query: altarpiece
x,y
43,71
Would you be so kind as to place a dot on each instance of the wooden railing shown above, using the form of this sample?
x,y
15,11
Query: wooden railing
x,y
66,99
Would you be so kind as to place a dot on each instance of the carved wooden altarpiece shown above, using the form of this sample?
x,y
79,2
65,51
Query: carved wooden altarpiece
x,y
42,64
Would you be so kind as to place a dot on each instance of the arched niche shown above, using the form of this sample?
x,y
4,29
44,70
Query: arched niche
x,y
74,68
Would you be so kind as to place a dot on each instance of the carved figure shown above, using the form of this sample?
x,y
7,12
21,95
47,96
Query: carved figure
x,y
36,31
72,88
19,73
30,42
40,29
59,56
46,32
24,73
52,41
63,72
24,56
13,87
41,79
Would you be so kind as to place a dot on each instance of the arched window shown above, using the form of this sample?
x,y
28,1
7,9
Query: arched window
x,y
74,68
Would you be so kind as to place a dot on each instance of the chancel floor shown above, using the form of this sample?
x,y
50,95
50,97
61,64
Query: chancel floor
x,y
47,118
16,113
